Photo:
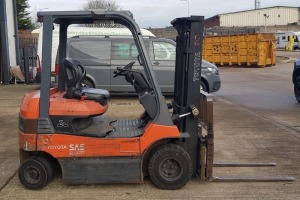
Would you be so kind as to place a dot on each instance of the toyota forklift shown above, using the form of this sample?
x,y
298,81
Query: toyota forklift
x,y
66,126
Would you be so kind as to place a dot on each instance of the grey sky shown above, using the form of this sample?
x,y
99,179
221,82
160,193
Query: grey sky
x,y
159,13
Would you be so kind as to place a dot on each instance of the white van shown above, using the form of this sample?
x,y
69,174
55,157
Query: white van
x,y
283,39
79,31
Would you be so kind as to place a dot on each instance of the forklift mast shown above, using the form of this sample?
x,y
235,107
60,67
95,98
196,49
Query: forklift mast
x,y
187,80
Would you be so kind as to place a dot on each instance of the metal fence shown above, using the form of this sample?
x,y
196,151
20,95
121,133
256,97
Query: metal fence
x,y
28,63
28,55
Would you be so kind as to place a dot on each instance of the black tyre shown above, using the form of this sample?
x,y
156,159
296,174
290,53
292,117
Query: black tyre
x,y
88,83
38,77
48,166
297,88
203,86
35,173
170,167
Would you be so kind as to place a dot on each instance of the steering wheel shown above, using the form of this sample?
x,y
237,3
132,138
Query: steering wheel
x,y
126,68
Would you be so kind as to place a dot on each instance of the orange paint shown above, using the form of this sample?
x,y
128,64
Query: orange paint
x,y
61,145
74,107
27,141
156,132
59,106
30,105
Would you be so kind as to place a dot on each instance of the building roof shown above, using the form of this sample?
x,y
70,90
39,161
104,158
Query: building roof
x,y
218,15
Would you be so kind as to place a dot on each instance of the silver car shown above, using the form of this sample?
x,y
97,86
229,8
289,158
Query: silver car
x,y
102,55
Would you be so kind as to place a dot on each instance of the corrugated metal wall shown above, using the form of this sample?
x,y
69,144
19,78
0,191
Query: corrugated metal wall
x,y
277,16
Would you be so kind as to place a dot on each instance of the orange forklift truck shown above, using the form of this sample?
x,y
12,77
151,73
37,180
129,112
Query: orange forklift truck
x,y
67,126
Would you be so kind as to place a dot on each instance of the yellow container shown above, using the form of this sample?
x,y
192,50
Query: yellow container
x,y
247,49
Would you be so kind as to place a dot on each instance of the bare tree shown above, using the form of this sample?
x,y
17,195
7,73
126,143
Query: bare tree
x,y
101,4
109,5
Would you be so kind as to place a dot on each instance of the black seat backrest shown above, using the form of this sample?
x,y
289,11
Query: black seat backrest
x,y
82,75
75,73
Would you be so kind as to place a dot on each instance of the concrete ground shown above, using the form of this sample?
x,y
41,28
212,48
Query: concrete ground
x,y
244,132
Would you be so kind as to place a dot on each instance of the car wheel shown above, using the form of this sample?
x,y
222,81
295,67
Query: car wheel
x,y
170,167
88,83
35,173
203,86
297,88
38,77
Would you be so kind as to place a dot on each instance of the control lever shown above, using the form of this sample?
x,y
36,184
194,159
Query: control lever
x,y
194,111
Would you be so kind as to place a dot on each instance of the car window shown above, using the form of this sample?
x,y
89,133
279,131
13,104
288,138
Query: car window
x,y
164,51
296,39
121,50
89,49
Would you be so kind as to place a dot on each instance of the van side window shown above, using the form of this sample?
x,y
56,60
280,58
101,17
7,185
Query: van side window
x,y
164,51
89,49
123,50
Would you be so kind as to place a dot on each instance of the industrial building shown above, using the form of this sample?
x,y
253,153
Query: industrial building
x,y
270,16
8,39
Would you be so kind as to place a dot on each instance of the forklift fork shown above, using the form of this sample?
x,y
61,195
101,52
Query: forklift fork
x,y
206,143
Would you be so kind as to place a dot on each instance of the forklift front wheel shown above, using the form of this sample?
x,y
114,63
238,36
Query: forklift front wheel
x,y
170,167
35,173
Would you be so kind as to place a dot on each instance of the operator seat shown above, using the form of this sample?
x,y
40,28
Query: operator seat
x,y
74,75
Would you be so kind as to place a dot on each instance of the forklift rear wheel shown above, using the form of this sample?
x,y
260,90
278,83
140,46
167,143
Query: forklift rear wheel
x,y
35,173
170,167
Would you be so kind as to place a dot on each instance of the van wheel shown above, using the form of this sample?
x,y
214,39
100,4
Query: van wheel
x,y
88,83
35,172
38,77
203,86
170,167
297,88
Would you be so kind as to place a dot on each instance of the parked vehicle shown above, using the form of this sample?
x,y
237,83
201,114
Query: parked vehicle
x,y
74,31
102,55
296,79
102,50
283,39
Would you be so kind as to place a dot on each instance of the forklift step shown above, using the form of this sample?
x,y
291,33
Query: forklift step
x,y
126,128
